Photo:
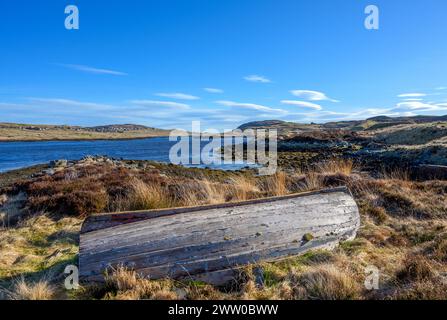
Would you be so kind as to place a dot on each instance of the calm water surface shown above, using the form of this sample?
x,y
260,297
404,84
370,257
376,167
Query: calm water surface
x,y
16,155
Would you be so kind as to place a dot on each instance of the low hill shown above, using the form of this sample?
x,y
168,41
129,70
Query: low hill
x,y
122,128
284,128
418,130
370,124
31,132
380,122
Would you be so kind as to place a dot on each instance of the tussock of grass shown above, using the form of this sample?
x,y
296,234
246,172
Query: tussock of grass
x,y
336,166
421,290
395,174
128,285
40,290
312,182
245,188
415,268
202,291
146,196
438,249
325,283
376,212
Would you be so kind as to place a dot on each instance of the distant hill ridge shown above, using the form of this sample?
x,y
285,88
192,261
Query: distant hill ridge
x,y
32,132
283,127
104,128
120,127
354,125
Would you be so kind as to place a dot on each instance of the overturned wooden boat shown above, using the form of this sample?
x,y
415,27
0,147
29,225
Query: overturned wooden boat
x,y
209,243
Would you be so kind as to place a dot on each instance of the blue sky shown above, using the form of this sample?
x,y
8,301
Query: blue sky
x,y
164,63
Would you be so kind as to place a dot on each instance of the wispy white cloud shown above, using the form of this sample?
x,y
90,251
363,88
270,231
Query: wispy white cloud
x,y
412,95
251,106
441,88
213,90
420,106
303,104
177,95
14,106
257,78
406,109
153,103
312,95
327,116
413,99
68,103
93,70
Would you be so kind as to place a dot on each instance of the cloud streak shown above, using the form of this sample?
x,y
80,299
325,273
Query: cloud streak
x,y
178,96
213,90
303,104
257,78
412,95
167,104
68,103
407,108
251,106
312,95
92,70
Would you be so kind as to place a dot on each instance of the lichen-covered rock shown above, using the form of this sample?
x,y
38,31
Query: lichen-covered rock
x,y
59,163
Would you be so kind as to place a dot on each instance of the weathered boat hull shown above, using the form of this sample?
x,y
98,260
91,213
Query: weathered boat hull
x,y
206,242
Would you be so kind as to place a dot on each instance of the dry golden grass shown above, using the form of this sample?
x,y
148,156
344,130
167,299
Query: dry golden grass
x,y
336,166
403,233
123,279
325,282
421,290
416,268
438,249
193,192
251,291
128,285
395,174
39,247
275,185
409,199
145,196
313,181
245,188
212,192
40,290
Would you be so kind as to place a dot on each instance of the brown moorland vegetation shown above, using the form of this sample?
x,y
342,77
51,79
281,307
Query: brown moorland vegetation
x,y
403,232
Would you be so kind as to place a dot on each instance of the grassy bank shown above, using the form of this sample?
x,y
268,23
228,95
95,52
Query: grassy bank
x,y
22,132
